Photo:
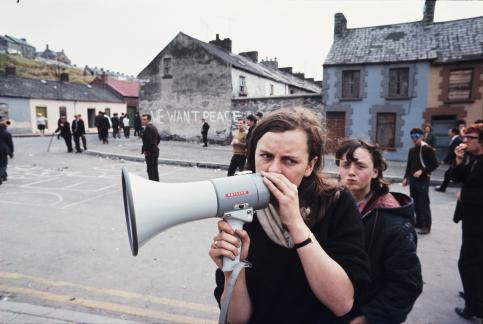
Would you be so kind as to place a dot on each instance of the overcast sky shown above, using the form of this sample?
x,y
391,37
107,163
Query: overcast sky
x,y
125,35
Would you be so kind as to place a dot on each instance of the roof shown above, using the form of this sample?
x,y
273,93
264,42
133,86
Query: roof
x,y
124,88
17,40
17,87
449,41
246,64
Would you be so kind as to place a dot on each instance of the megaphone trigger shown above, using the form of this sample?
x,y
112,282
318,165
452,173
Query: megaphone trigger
x,y
236,219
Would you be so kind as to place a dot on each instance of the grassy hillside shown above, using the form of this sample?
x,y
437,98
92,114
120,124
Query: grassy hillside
x,y
29,68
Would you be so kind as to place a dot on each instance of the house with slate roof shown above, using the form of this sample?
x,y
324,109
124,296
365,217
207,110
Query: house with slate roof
x,y
22,99
127,90
13,45
51,55
190,80
381,81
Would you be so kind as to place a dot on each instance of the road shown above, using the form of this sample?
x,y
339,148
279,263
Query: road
x,y
64,246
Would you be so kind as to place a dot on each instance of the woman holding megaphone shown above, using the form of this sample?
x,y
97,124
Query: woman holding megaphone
x,y
306,250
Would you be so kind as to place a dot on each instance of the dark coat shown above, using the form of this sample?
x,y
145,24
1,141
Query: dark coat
x,y
97,120
64,129
396,280
104,123
6,143
137,122
115,122
415,155
452,146
151,139
470,172
205,128
81,130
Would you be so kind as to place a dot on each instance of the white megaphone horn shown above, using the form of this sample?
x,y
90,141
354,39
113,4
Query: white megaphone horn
x,y
152,207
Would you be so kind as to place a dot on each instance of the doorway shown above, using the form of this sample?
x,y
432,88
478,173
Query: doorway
x,y
91,115
42,111
441,125
335,130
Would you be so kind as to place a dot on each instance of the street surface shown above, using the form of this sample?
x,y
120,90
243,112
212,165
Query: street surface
x,y
65,256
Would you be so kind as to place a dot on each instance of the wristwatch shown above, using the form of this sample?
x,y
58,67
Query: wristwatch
x,y
310,239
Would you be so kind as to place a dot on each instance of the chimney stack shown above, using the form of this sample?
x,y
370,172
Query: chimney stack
x,y
64,77
286,70
300,75
224,44
428,14
253,55
271,64
340,24
10,69
104,77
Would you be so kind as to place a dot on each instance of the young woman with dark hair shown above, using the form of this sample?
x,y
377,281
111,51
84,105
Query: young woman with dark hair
x,y
306,248
388,219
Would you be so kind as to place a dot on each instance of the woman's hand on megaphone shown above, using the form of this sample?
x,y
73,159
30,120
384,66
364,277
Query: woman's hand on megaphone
x,y
227,242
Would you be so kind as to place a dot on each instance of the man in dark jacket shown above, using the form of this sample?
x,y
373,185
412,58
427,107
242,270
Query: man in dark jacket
x,y
115,126
138,127
103,127
204,132
78,130
64,129
468,168
6,149
150,147
454,134
251,123
97,121
421,162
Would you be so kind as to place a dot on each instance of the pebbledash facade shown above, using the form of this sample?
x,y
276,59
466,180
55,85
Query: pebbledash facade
x,y
190,80
382,81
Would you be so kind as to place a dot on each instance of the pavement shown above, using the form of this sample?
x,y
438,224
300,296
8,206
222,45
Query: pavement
x,y
191,154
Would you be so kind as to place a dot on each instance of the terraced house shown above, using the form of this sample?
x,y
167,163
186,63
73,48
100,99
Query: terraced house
x,y
381,81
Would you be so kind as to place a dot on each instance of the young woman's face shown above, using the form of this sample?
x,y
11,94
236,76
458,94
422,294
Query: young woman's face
x,y
285,153
357,175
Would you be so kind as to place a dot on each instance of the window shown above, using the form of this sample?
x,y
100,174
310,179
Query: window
x,y
167,66
108,111
460,84
242,86
386,130
350,84
399,83
271,89
62,112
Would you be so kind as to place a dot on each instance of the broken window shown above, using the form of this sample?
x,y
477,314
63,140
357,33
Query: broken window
x,y
399,83
350,84
386,130
167,66
271,89
460,84
242,86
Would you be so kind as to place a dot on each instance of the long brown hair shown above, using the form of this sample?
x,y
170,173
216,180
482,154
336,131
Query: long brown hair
x,y
314,190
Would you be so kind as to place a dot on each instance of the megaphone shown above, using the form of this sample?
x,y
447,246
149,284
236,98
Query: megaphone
x,y
152,207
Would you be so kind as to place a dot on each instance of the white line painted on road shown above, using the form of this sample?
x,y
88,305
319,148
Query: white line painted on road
x,y
90,199
73,185
36,193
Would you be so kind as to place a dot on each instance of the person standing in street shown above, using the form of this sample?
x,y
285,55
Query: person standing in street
x,y
454,134
150,147
115,126
6,149
126,126
204,132
428,136
420,163
97,122
251,123
138,127
65,132
239,144
104,125
468,169
78,130
41,124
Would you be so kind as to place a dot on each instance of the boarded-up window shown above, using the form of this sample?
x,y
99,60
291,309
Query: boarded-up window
x,y
399,83
167,66
386,129
350,83
460,84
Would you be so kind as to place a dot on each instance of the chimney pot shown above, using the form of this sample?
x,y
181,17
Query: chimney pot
x,y
428,14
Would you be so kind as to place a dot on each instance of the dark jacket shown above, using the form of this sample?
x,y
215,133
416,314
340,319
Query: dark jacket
x,y
115,122
470,172
97,120
78,127
6,143
104,123
204,128
137,122
452,146
396,280
64,129
151,139
415,155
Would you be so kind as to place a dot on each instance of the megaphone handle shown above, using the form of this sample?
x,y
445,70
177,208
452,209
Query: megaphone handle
x,y
229,264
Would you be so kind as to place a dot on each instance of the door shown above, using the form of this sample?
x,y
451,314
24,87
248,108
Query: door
x,y
131,111
335,130
91,115
42,111
441,125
